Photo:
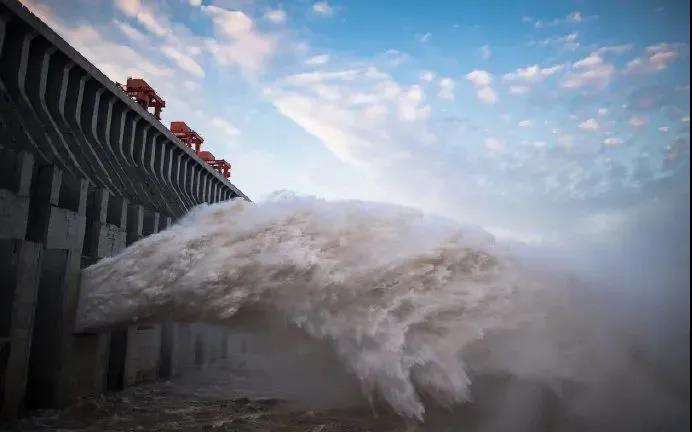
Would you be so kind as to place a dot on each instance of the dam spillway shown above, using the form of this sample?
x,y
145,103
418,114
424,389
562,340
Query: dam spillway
x,y
84,171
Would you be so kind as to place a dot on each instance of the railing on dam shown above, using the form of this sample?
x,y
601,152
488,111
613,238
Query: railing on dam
x,y
84,172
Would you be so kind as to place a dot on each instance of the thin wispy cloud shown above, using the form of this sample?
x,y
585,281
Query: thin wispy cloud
x,y
277,16
323,8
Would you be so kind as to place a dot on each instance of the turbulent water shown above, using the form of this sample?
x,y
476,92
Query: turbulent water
x,y
413,306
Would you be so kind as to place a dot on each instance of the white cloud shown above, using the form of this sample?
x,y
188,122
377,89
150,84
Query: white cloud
x,y
317,60
131,32
115,60
427,76
480,78
322,8
446,88
395,57
519,89
523,79
525,123
589,62
532,73
424,38
612,141
615,49
361,115
569,41
408,105
574,17
637,121
147,17
224,127
566,141
193,86
590,71
183,60
494,144
664,129
487,95
128,7
589,125
657,58
603,111
685,119
238,42
277,16
230,23
364,115
195,2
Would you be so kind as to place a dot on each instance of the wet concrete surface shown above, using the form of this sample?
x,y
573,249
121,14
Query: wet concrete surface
x,y
216,399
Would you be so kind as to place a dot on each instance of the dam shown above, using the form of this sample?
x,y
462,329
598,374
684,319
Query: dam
x,y
85,170
140,290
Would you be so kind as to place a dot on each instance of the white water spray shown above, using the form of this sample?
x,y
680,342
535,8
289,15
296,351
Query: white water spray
x,y
400,297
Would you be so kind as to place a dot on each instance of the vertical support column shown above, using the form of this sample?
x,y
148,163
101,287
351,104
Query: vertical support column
x,y
20,262
167,222
20,265
205,179
181,356
105,236
198,186
169,330
167,346
143,353
16,170
135,223
57,219
151,223
106,225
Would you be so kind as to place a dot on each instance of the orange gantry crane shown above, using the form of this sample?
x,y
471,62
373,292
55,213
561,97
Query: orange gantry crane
x,y
143,94
187,135
220,165
140,91
194,141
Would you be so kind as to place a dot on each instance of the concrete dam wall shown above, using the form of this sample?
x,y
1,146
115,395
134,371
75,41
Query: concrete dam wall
x,y
84,172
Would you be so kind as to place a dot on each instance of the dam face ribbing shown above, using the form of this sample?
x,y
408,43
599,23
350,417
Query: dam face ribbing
x,y
84,172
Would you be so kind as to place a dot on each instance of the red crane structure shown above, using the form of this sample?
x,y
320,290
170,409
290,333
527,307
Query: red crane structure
x,y
194,141
187,135
141,91
220,165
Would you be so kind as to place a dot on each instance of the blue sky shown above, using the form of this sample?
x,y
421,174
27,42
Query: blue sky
x,y
538,120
